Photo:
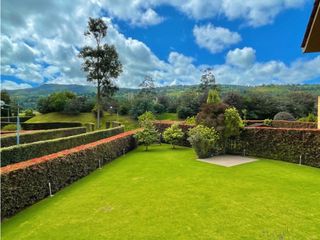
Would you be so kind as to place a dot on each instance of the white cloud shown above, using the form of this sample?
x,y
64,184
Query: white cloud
x,y
244,57
252,12
215,39
10,85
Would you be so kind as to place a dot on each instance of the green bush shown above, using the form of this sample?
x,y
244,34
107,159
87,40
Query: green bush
x,y
10,127
22,152
29,113
7,141
191,120
173,135
267,122
147,116
29,184
284,116
310,118
149,134
233,123
204,140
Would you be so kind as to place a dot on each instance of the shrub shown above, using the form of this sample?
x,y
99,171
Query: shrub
x,y
149,134
26,183
147,116
140,106
22,152
159,108
184,112
233,123
191,120
284,116
7,141
10,127
55,102
213,97
310,118
267,122
212,115
72,107
29,113
173,135
204,140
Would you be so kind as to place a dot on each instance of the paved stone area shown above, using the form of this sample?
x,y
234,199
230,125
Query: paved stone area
x,y
228,160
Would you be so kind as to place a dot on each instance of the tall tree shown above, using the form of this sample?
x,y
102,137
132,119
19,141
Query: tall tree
x,y
101,62
208,80
147,87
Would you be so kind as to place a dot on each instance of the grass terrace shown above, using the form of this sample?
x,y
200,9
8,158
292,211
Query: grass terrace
x,y
167,194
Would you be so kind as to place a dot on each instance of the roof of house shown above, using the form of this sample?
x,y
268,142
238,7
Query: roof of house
x,y
311,40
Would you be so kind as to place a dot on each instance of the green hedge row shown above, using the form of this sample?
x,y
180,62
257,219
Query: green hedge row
x,y
285,124
27,185
7,141
49,125
281,144
22,152
14,119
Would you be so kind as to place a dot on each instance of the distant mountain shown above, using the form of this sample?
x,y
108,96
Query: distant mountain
x,y
29,97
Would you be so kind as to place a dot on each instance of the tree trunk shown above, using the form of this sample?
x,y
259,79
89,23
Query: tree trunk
x,y
98,105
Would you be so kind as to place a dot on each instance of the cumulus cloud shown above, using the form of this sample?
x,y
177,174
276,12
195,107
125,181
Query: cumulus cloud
x,y
215,39
10,85
253,13
244,57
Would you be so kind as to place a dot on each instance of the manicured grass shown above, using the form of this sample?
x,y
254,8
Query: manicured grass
x,y
167,116
167,194
85,118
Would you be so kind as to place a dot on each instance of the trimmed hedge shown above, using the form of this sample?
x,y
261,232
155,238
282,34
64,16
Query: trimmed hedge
x,y
25,183
14,119
285,144
19,153
7,141
49,125
285,124
279,143
161,126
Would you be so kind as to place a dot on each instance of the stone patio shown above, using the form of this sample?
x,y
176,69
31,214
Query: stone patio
x,y
228,160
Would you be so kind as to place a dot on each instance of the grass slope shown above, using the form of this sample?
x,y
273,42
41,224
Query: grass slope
x,y
84,118
167,194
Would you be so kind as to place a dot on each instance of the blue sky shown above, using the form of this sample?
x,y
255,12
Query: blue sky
x,y
248,43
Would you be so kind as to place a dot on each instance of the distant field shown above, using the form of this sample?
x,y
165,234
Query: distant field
x,y
88,117
84,118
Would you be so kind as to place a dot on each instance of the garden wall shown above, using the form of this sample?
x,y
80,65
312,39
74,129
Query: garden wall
x,y
22,152
49,125
25,183
7,141
285,144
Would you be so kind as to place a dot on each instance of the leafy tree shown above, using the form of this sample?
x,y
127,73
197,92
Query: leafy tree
x,y
212,115
146,117
208,80
140,106
299,103
29,113
189,104
147,87
233,123
213,97
101,62
6,98
55,102
148,134
173,135
204,140
234,99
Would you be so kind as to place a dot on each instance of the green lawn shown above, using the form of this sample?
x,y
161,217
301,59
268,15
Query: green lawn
x,y
84,118
167,194
167,116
